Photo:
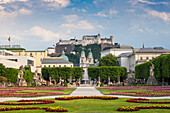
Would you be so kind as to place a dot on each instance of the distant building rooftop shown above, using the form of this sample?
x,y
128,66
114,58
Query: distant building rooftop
x,y
153,50
125,54
54,61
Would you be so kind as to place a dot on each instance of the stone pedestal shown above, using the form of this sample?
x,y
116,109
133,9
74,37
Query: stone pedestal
x,y
21,82
152,81
118,80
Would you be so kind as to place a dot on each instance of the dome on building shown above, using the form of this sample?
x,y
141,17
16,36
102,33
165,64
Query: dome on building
x,y
64,56
90,53
82,52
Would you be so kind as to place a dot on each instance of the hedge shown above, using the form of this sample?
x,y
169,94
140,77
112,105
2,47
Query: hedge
x,y
64,72
11,74
104,71
161,68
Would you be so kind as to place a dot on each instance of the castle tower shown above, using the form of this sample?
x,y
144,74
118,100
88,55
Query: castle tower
x,y
90,58
83,61
99,38
112,40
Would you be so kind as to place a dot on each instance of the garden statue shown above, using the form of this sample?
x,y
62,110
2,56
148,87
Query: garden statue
x,y
99,81
130,78
37,79
108,80
20,80
151,70
152,80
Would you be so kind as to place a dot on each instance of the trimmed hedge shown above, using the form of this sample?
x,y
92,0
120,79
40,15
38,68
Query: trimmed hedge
x,y
11,74
64,72
161,68
113,71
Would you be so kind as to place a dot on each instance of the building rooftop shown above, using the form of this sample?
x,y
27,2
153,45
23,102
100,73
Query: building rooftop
x,y
125,54
153,50
54,61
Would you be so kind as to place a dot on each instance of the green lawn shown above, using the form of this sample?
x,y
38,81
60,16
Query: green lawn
x,y
65,92
92,106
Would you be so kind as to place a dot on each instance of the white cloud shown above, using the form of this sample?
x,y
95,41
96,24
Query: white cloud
x,y
134,2
163,15
2,8
58,3
101,14
25,11
110,13
71,18
46,35
100,26
82,24
83,10
5,14
113,12
152,3
9,1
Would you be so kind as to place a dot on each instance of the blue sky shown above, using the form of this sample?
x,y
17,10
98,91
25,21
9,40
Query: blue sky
x,y
38,24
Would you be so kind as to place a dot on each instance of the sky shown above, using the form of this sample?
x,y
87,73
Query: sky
x,y
39,24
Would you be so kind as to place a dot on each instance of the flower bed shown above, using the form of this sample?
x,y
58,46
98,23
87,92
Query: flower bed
x,y
136,108
150,91
48,109
32,102
143,100
24,91
86,97
29,94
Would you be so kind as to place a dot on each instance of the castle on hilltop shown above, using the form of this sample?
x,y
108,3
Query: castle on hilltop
x,y
88,39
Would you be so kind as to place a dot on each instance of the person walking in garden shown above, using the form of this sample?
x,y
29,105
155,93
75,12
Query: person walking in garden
x,y
76,83
94,83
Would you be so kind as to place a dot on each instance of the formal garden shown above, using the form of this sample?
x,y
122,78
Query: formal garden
x,y
87,104
60,83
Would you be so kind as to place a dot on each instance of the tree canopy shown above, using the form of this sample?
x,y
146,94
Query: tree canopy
x,y
108,60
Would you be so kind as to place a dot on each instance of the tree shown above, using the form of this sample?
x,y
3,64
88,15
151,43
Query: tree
x,y
108,60
2,70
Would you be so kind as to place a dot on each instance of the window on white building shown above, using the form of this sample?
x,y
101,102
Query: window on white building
x,y
44,65
53,65
49,66
141,58
59,65
147,58
64,65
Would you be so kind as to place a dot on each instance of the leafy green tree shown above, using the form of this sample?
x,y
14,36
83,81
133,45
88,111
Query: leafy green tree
x,y
108,60
2,70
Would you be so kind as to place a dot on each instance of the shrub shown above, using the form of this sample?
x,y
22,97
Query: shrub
x,y
101,85
161,68
65,84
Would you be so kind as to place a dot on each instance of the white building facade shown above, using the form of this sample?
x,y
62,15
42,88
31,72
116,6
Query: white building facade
x,y
10,60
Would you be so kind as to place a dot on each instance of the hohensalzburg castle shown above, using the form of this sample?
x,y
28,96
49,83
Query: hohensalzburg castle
x,y
88,39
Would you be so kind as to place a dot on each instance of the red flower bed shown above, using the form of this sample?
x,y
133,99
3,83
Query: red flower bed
x,y
151,90
32,102
136,108
19,91
86,97
48,109
143,100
